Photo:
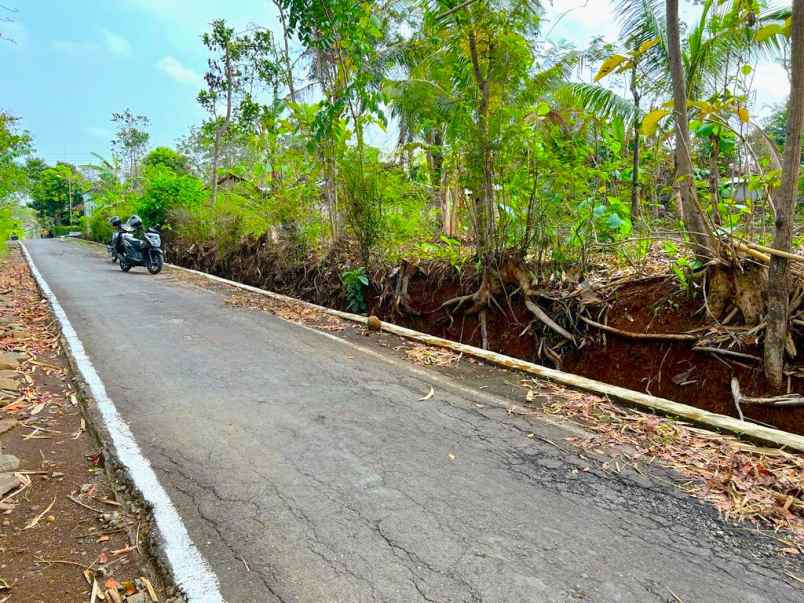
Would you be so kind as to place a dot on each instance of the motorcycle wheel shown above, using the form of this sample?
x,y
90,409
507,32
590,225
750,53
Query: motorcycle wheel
x,y
155,263
124,266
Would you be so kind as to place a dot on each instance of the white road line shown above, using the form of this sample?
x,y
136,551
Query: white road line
x,y
190,570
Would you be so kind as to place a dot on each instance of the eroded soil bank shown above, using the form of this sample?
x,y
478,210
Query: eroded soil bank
x,y
414,296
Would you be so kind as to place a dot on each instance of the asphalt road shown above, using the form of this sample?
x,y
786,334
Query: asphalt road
x,y
307,470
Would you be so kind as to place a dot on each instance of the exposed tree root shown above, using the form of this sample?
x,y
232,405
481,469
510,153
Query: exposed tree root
x,y
511,272
633,335
541,315
740,399
401,297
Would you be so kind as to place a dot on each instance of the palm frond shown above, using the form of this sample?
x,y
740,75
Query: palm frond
x,y
643,20
774,46
555,74
597,100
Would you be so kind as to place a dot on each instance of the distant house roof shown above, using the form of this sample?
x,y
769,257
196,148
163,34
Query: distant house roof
x,y
232,178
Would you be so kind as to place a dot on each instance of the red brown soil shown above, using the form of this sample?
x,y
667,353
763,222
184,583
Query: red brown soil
x,y
674,370
62,459
669,370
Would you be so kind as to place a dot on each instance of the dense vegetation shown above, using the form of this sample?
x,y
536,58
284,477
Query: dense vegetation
x,y
14,147
509,162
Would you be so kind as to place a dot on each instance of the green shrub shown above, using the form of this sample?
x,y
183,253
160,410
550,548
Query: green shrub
x,y
165,190
355,282
382,206
96,226
63,230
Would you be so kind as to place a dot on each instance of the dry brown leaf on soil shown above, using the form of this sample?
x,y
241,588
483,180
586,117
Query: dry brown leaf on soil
x,y
114,596
96,592
743,482
429,356
291,312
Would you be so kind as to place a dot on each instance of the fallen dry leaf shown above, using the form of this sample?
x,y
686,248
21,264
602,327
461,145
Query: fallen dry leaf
x,y
430,356
742,481
35,521
37,408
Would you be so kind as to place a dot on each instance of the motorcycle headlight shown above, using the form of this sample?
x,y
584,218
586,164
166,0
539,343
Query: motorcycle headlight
x,y
154,240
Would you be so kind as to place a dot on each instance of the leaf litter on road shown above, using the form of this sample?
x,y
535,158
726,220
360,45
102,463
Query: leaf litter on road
x,y
291,312
426,355
743,481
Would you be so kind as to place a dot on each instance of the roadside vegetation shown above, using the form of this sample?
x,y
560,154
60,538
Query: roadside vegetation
x,y
621,202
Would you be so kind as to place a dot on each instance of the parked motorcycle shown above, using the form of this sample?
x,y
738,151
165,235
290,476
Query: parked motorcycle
x,y
113,246
140,252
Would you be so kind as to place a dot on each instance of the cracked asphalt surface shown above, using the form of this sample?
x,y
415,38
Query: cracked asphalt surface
x,y
308,470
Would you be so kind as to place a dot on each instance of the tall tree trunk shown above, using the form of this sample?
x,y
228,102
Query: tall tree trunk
x,y
220,130
704,245
484,202
654,181
785,202
331,194
635,165
436,155
213,175
288,65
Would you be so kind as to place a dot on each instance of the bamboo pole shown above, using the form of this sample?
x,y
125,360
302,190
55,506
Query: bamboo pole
x,y
782,254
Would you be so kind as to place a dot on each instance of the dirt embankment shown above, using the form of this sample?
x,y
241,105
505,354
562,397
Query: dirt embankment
x,y
414,296
673,369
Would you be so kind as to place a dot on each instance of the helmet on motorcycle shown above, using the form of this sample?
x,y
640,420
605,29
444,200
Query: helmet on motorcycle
x,y
135,221
115,221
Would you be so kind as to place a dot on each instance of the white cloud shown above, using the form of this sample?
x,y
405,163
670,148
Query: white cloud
x,y
173,68
112,43
116,44
771,84
13,33
581,20
592,13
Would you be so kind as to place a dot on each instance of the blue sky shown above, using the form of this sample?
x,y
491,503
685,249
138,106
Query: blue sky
x,y
75,62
